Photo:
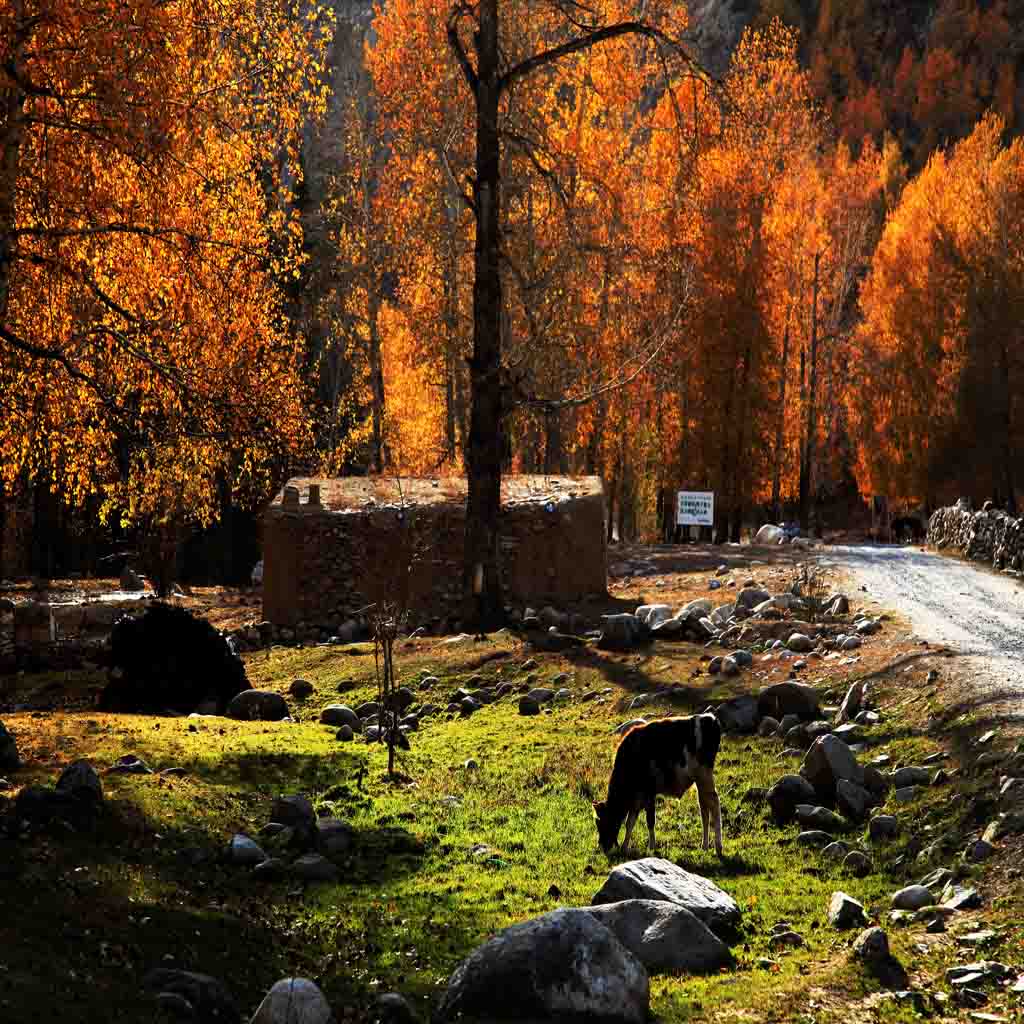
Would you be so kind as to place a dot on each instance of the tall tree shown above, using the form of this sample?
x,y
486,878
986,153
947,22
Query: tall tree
x,y
143,353
490,79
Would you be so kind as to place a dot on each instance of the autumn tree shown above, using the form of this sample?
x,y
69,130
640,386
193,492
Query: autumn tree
x,y
143,352
936,406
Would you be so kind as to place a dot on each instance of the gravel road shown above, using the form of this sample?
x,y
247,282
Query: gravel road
x,y
972,610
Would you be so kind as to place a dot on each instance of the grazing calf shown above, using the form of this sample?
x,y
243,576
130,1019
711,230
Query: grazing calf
x,y
666,756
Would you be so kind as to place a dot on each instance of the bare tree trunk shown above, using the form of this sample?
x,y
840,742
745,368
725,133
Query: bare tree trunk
x,y
552,441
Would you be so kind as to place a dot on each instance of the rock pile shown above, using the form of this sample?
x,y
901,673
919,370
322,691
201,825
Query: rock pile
x,y
988,536
294,843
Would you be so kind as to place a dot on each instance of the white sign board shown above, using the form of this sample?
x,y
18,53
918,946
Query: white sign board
x,y
695,508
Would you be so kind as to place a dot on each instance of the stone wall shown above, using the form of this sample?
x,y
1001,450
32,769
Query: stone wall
x,y
365,540
986,536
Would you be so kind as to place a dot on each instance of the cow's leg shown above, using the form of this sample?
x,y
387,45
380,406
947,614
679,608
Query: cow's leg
x,y
702,806
711,808
651,809
630,822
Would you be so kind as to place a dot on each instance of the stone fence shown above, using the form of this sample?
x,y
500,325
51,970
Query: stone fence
x,y
987,536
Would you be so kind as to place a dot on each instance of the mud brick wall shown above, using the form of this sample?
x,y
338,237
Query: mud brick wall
x,y
325,559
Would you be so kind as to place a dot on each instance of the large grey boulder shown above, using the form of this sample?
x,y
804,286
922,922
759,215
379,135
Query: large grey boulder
x,y
788,698
562,965
912,897
9,759
651,615
621,632
912,775
739,714
751,597
852,703
852,800
822,818
296,812
828,761
341,714
770,535
845,912
209,1001
258,705
80,781
787,794
698,609
294,1001
654,878
664,937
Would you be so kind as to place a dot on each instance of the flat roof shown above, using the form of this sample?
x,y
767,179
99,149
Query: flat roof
x,y
364,493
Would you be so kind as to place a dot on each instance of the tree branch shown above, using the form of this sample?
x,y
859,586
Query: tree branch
x,y
457,13
591,39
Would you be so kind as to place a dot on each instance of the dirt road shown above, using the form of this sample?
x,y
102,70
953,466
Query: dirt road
x,y
976,612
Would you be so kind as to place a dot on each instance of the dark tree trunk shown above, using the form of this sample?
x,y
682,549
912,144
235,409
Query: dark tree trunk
x,y
485,425
811,427
779,425
553,452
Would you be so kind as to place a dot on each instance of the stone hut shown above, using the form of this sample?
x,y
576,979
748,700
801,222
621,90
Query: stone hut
x,y
333,546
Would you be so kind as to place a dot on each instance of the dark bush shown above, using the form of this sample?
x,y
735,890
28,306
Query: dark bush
x,y
167,658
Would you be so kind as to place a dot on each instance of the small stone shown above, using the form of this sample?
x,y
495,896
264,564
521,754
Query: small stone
x,y
786,940
978,851
836,851
814,839
345,734
906,795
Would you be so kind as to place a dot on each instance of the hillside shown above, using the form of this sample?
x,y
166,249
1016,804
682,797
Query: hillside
x,y
921,71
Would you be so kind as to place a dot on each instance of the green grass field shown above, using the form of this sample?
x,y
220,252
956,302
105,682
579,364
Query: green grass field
x,y
444,855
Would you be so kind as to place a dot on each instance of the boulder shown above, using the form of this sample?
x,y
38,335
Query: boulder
x,y
789,792
564,964
730,667
664,937
334,836
836,851
314,867
780,700
245,851
739,714
751,597
698,609
208,1000
872,946
800,642
815,839
294,1001
9,759
296,813
528,706
622,632
300,688
857,863
654,878
883,826
341,714
852,800
767,727
912,775
651,615
393,1008
813,817
167,657
828,761
912,897
258,706
851,705
770,535
541,694
80,782
845,912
